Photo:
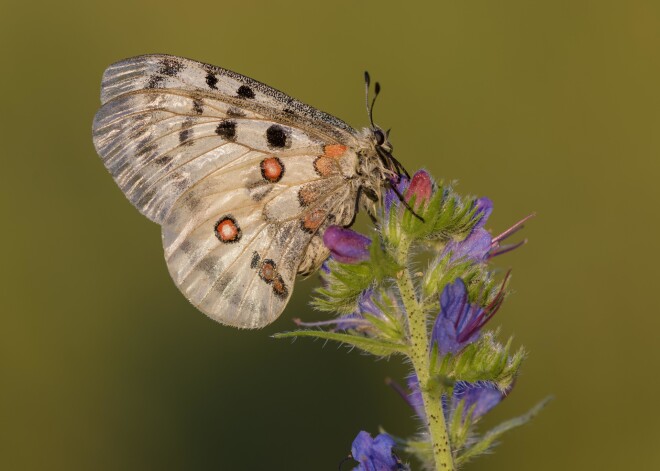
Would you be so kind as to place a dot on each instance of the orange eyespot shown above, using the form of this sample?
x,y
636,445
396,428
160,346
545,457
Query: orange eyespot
x,y
267,271
227,230
325,166
279,287
313,220
272,169
334,150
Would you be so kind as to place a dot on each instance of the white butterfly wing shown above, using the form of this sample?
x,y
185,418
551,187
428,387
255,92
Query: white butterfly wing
x,y
242,178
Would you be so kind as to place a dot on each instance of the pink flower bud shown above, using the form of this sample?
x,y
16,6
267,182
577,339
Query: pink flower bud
x,y
421,187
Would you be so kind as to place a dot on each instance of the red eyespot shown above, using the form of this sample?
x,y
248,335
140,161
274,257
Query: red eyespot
x,y
334,150
227,230
272,169
267,271
326,166
279,288
313,220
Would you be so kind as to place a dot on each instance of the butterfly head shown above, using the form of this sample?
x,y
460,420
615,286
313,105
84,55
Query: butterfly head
x,y
390,167
381,139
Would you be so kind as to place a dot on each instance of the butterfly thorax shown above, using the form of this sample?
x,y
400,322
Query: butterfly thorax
x,y
376,166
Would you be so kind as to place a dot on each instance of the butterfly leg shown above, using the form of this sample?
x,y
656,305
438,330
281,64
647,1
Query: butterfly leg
x,y
372,196
403,200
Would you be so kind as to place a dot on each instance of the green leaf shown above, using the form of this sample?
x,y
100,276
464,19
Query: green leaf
x,y
487,441
376,347
430,212
443,272
388,329
458,428
444,216
343,285
484,360
346,281
383,263
456,218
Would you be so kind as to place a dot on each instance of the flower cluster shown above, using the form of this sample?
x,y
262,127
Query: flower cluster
x,y
435,317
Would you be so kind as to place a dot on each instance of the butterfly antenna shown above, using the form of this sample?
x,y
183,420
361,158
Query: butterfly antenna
x,y
370,108
367,84
373,102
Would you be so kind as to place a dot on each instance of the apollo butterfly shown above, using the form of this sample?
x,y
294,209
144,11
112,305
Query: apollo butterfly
x,y
242,178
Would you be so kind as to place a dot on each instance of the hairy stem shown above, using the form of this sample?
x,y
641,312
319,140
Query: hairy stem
x,y
419,356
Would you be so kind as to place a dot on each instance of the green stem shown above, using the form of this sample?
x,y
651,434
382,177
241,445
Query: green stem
x,y
419,355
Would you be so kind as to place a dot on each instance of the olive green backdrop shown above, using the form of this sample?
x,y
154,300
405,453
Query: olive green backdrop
x,y
548,106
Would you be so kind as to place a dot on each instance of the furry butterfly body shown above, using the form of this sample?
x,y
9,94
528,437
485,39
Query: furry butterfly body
x,y
242,178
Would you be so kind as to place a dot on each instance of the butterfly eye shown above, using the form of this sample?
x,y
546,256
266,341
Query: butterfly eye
x,y
379,136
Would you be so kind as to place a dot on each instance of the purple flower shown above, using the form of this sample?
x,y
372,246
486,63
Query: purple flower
x,y
459,323
482,395
374,454
391,196
477,244
480,245
367,303
346,245
414,397
484,210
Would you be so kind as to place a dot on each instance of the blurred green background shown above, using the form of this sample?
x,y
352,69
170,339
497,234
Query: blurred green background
x,y
548,106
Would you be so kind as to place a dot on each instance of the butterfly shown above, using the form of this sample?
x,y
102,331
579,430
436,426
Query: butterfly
x,y
242,178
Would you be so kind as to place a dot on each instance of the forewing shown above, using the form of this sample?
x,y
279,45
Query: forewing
x,y
167,121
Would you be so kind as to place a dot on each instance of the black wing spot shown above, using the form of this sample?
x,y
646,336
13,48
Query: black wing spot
x,y
277,136
207,264
192,202
146,149
245,92
155,81
227,130
163,160
254,263
186,246
198,106
184,135
235,112
259,190
170,67
211,80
